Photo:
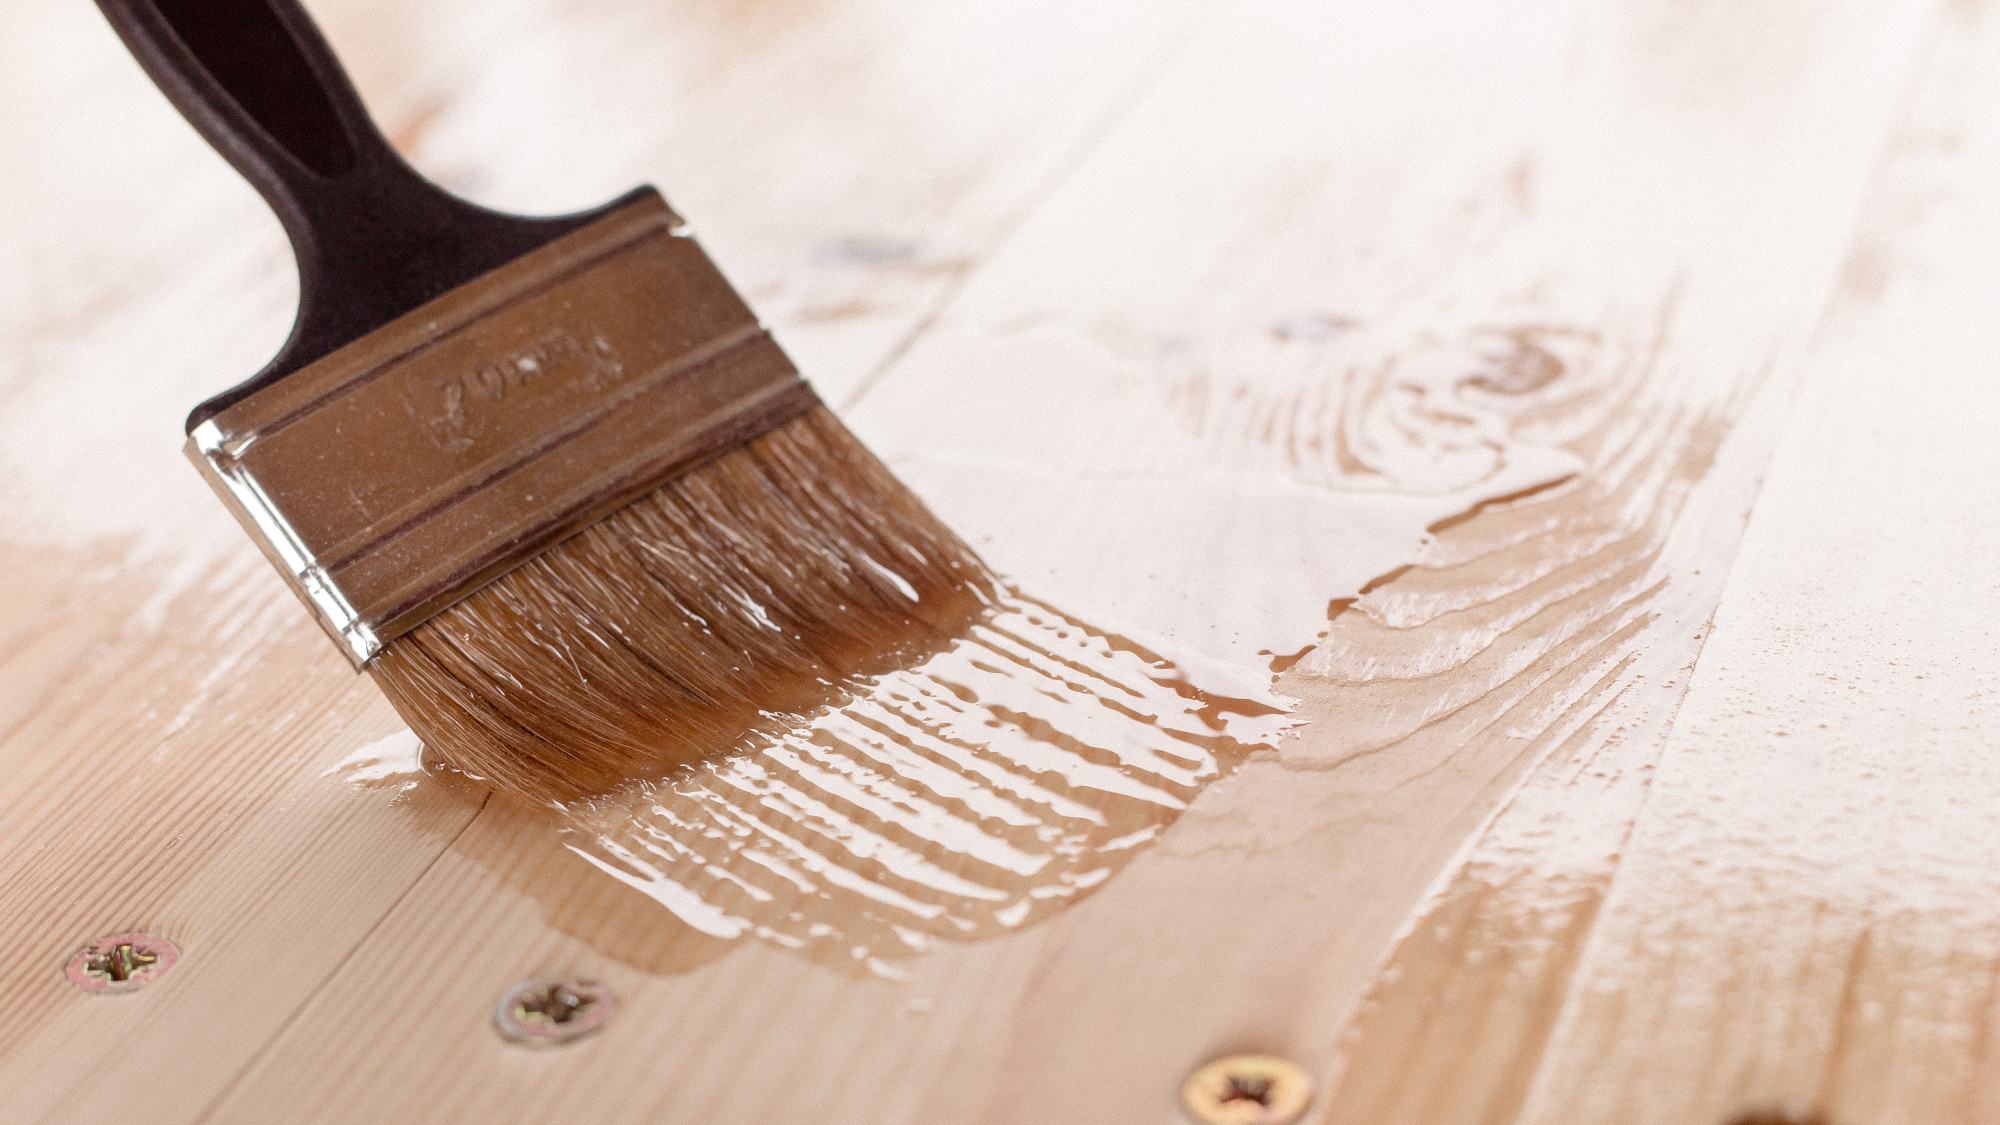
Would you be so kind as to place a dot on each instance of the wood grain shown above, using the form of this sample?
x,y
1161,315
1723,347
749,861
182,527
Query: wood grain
x,y
1129,291
1782,919
1807,880
171,723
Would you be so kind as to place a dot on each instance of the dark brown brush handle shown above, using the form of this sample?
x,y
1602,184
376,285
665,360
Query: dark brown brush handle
x,y
374,238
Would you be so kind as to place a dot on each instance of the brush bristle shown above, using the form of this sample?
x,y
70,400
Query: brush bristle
x,y
753,585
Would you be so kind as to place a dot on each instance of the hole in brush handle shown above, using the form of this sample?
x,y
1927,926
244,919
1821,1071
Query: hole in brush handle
x,y
374,239
256,78
255,59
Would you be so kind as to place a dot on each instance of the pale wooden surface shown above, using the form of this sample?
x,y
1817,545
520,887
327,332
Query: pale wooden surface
x,y
1548,851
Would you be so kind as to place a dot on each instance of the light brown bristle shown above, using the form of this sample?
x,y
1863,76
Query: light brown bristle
x,y
757,583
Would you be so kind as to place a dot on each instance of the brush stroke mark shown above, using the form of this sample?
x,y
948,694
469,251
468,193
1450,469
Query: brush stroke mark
x,y
1541,646
972,794
1023,766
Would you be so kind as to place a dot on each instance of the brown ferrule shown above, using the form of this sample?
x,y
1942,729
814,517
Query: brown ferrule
x,y
430,457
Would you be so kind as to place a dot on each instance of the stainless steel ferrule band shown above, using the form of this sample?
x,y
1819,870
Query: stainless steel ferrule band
x,y
427,459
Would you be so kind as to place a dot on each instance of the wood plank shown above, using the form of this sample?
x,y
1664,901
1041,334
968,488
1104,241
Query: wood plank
x,y
1760,950
1804,914
169,718
1289,242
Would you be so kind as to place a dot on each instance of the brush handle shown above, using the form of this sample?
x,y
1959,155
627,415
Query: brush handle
x,y
374,238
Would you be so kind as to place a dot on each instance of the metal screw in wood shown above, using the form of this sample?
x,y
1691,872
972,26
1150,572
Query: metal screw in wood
x,y
121,962
1248,1090
546,1011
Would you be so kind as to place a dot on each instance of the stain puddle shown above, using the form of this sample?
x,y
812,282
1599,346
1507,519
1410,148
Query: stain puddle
x,y
971,794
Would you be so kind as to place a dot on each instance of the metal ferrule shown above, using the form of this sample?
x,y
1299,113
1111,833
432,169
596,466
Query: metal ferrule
x,y
421,462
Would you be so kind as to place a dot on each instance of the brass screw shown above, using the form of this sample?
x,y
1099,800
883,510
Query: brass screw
x,y
121,962
1248,1090
543,1012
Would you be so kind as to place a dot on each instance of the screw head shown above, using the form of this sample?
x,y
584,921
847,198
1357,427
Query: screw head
x,y
545,1011
121,962
1248,1090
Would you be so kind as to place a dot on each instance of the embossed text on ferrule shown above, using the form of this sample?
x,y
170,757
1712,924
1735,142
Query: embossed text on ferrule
x,y
411,467
452,415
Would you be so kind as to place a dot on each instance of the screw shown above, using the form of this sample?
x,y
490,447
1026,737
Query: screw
x,y
121,962
543,1012
1248,1090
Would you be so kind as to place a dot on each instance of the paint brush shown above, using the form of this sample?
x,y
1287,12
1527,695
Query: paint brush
x,y
547,480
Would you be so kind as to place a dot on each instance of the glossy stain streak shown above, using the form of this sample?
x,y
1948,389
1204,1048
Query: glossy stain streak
x,y
1009,773
1022,766
1018,765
